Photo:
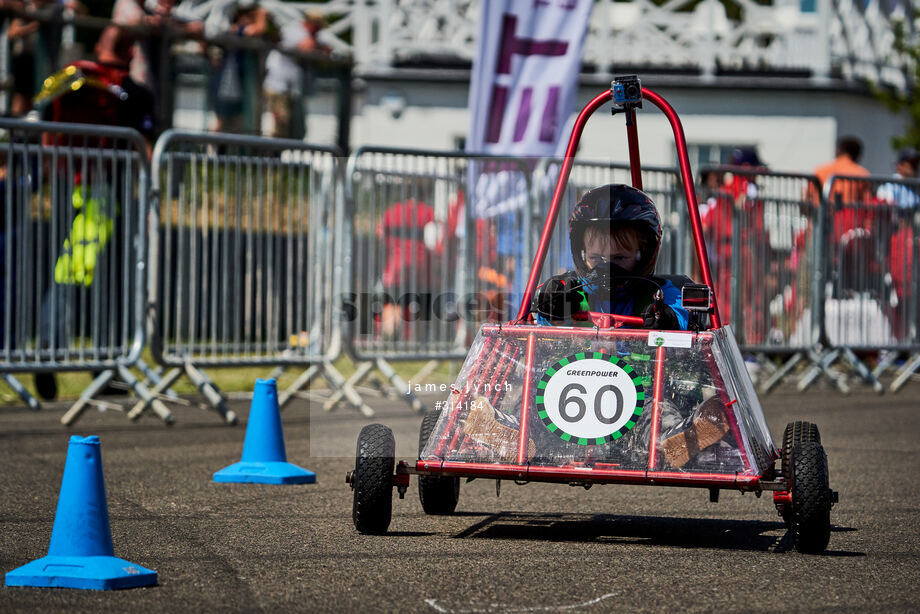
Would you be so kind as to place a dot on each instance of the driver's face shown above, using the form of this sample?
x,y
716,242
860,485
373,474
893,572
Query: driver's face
x,y
602,249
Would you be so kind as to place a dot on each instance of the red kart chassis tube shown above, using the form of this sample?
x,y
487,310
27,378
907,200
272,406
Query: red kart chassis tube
x,y
569,474
598,473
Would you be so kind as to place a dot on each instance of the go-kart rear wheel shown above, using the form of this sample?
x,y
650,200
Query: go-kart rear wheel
x,y
810,516
438,495
795,433
375,460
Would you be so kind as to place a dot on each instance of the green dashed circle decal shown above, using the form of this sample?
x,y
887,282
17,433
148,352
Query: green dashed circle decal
x,y
590,398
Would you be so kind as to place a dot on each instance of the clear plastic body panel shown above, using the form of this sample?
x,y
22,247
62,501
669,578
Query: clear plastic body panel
x,y
593,399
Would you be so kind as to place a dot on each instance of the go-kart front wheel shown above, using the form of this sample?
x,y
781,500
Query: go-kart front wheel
x,y
372,480
795,433
438,495
810,516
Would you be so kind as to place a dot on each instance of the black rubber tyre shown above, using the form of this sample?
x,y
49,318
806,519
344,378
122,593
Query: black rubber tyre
x,y
797,432
438,495
811,498
375,460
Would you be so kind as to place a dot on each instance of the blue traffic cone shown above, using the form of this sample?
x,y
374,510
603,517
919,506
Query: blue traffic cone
x,y
81,554
264,458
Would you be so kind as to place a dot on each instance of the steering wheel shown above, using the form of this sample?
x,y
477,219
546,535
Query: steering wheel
x,y
606,320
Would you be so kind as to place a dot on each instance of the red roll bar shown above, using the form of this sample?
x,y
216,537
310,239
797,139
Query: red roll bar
x,y
696,226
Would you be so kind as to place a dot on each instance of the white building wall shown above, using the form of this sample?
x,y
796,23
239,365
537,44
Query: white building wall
x,y
793,129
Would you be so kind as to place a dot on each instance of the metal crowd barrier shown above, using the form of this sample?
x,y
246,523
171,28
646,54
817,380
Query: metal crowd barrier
x,y
870,300
760,229
439,243
242,269
72,254
272,253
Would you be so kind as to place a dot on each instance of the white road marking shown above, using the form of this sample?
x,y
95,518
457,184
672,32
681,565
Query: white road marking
x,y
499,607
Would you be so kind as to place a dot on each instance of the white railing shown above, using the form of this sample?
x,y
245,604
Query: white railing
x,y
829,38
862,39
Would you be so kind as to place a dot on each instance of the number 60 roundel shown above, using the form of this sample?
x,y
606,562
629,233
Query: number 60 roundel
x,y
590,398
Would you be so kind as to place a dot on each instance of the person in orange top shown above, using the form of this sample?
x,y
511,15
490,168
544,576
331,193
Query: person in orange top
x,y
846,164
849,196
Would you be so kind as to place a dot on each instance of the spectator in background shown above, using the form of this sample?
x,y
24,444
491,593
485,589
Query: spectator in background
x,y
133,13
849,151
94,92
233,97
898,193
743,185
156,17
35,45
900,253
23,37
408,273
95,101
733,201
846,164
286,80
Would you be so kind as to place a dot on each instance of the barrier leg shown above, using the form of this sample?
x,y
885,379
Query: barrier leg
x,y
821,366
164,384
382,388
337,381
765,363
21,391
427,369
430,367
780,373
364,368
91,391
302,381
144,393
886,360
863,371
153,378
207,388
341,388
904,374
346,388
277,372
410,398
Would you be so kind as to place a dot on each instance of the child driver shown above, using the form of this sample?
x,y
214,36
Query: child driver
x,y
614,235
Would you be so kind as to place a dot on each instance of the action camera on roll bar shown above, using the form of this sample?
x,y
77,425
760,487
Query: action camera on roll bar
x,y
627,93
697,300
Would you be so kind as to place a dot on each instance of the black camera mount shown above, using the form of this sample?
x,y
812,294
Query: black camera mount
x,y
627,93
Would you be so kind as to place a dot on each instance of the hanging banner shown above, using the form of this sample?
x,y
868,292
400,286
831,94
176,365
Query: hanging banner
x,y
522,88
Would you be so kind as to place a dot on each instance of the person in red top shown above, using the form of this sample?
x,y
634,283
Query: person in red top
x,y
492,286
407,274
101,91
725,198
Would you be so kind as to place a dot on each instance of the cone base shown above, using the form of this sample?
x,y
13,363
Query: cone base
x,y
265,473
101,573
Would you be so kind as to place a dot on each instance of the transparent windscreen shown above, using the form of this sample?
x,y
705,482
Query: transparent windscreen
x,y
580,397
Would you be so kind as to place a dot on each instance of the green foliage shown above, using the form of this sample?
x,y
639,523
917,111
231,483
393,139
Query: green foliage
x,y
909,99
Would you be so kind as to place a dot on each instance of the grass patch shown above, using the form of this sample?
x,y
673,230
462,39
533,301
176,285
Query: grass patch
x,y
232,379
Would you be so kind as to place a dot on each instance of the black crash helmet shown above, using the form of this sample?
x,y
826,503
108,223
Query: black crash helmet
x,y
616,204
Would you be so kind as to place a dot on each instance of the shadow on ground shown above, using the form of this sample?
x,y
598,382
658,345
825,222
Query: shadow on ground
x,y
755,535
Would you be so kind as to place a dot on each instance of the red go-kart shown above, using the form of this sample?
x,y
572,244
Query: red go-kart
x,y
605,404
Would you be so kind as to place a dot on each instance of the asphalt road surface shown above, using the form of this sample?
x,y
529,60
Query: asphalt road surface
x,y
537,548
